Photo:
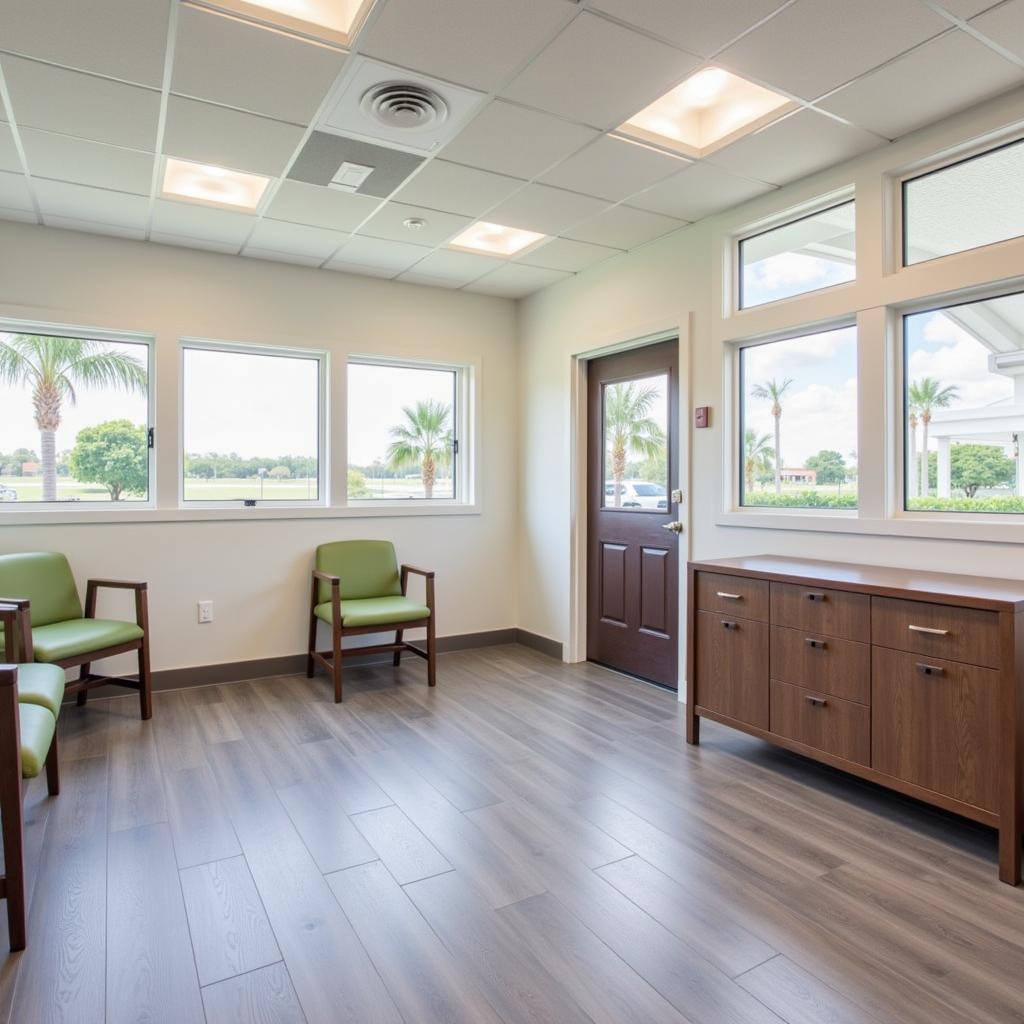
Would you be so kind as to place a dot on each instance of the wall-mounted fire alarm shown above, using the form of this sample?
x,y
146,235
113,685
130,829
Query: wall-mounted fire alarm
x,y
702,416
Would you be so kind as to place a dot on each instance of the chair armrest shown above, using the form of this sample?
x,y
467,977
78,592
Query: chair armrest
x,y
20,604
9,675
428,573
141,598
15,618
117,584
334,581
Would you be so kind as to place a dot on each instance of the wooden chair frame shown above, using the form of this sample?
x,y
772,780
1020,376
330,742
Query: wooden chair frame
x,y
331,660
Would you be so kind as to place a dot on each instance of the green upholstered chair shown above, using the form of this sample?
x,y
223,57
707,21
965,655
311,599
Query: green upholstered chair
x,y
359,588
65,635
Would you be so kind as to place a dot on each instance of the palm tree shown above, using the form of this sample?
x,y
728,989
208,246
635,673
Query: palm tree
x,y
629,428
926,395
772,390
914,472
54,368
757,456
424,440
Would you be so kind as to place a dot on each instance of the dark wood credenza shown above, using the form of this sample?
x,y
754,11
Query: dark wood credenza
x,y
912,680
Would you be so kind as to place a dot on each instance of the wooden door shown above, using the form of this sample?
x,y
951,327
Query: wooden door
x,y
632,472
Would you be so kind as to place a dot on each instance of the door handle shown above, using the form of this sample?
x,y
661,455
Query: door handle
x,y
674,527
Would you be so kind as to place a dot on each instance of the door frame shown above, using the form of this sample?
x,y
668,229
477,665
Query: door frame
x,y
623,341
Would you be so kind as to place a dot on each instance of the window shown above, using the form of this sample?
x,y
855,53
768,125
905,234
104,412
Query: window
x,y
74,417
635,417
965,205
404,426
251,424
798,421
804,255
963,374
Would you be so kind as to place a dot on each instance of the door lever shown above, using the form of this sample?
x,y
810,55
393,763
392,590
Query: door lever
x,y
676,527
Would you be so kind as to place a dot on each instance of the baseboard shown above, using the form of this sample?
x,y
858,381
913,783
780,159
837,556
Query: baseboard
x,y
552,648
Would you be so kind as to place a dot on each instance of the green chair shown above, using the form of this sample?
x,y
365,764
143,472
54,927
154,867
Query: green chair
x,y
62,635
358,588
30,698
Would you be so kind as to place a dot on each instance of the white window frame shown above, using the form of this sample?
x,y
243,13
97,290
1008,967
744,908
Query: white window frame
x,y
116,508
256,508
466,417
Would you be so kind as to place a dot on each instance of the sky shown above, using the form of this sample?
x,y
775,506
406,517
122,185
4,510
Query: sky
x,y
791,273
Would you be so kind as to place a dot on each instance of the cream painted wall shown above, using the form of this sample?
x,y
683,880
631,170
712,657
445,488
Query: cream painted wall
x,y
256,569
683,273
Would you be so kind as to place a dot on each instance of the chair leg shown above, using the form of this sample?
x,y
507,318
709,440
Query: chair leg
x,y
431,653
84,672
310,665
13,821
53,769
336,664
145,681
398,654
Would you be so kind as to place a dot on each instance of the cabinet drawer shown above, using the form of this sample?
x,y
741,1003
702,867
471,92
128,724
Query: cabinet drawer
x,y
936,630
836,726
841,668
732,667
736,595
832,612
936,724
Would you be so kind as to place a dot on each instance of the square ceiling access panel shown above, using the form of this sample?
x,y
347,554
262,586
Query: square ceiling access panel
x,y
322,156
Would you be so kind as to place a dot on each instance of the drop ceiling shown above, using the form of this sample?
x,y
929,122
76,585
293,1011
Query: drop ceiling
x,y
96,95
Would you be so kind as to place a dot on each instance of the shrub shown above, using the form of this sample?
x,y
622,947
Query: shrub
x,y
800,499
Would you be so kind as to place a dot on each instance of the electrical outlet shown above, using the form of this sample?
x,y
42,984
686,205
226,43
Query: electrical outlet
x,y
205,609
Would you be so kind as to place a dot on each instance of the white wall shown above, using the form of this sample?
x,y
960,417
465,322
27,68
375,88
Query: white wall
x,y
256,570
680,275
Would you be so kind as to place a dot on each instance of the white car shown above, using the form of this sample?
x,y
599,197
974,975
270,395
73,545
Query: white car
x,y
636,494
8,494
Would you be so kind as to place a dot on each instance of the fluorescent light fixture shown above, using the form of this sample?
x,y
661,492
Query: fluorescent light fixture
x,y
495,239
215,186
708,110
334,20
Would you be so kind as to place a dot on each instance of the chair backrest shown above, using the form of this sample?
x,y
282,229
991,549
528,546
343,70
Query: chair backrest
x,y
44,577
367,568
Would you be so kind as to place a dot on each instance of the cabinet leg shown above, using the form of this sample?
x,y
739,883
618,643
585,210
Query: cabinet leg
x,y
1010,853
692,726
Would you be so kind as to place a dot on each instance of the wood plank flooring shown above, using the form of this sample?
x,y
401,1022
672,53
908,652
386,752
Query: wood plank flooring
x,y
530,843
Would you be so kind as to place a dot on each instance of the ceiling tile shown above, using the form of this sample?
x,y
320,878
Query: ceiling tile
x,y
192,220
697,192
193,243
478,43
925,89
14,193
87,163
516,141
694,25
360,270
228,138
241,65
379,253
9,159
299,239
613,169
321,207
95,227
273,256
814,46
565,254
600,73
622,227
545,209
411,277
9,213
516,281
117,209
458,267
1004,25
441,185
87,107
794,147
439,227
967,8
124,39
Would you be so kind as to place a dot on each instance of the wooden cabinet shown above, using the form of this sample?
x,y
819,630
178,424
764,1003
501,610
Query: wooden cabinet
x,y
913,680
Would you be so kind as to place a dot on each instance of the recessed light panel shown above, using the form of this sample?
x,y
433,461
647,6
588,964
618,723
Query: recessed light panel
x,y
495,239
334,20
214,186
705,112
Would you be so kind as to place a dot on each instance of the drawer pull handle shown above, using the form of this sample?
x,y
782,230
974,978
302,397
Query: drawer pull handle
x,y
817,702
930,670
730,625
728,597
814,595
818,645
928,629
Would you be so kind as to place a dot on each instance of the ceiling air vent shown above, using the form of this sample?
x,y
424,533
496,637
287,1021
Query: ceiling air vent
x,y
404,106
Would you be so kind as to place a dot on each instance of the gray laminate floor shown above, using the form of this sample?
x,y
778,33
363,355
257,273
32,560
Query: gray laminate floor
x,y
528,843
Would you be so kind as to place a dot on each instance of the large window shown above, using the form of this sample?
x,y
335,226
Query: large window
x,y
251,424
965,205
803,255
964,407
403,432
74,418
798,421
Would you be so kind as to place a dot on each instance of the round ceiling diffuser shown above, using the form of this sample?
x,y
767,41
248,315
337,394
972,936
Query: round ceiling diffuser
x,y
404,106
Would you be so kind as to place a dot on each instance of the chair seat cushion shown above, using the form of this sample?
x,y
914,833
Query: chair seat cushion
x,y
42,685
73,637
375,611
37,726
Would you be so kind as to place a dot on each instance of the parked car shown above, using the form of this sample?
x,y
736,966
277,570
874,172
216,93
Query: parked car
x,y
8,493
636,494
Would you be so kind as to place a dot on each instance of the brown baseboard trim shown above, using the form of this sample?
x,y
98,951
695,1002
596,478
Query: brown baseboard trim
x,y
552,648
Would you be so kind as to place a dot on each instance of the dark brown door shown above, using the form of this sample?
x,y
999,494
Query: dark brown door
x,y
633,559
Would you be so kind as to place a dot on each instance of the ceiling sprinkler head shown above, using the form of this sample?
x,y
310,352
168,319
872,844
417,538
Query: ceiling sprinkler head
x,y
414,223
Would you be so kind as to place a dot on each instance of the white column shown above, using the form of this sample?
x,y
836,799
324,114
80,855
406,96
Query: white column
x,y
1017,440
943,467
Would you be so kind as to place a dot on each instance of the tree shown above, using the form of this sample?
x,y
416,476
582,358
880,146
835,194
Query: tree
x,y
924,396
115,454
54,368
980,465
758,456
424,441
773,391
630,429
280,473
829,466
